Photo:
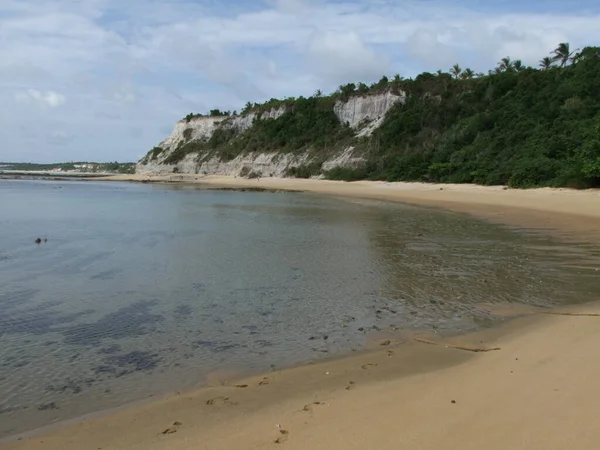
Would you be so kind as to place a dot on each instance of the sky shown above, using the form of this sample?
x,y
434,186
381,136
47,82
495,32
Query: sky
x,y
106,80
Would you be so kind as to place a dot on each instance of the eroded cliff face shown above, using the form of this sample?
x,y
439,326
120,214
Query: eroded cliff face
x,y
365,113
361,113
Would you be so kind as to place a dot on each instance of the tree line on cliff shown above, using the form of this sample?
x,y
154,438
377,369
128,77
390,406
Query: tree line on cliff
x,y
515,125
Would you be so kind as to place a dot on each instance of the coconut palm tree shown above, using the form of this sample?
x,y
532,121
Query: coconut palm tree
x,y
467,74
397,78
518,65
505,64
455,71
319,93
563,53
576,57
546,63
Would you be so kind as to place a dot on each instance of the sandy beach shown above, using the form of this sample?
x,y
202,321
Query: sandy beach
x,y
527,384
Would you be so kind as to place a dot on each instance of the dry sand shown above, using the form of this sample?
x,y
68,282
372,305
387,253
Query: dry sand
x,y
536,387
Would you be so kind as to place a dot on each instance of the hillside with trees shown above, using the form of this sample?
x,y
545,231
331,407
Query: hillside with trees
x,y
515,125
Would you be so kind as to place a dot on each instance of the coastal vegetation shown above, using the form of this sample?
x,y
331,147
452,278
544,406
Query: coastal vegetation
x,y
516,125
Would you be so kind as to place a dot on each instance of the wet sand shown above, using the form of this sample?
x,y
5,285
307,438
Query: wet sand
x,y
528,384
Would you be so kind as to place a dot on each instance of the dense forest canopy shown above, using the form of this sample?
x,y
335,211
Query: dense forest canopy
x,y
514,125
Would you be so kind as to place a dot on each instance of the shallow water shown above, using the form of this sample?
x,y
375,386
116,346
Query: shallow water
x,y
141,289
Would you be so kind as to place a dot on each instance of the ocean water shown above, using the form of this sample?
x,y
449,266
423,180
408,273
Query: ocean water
x,y
142,289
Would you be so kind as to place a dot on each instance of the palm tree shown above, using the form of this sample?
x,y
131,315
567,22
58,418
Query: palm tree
x,y
576,57
505,64
467,74
546,63
518,65
397,78
455,71
563,53
318,93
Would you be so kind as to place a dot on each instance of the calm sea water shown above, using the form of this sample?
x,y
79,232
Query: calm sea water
x,y
141,289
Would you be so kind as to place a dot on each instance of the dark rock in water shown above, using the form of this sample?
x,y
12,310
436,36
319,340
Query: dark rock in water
x,y
38,241
132,320
325,337
47,406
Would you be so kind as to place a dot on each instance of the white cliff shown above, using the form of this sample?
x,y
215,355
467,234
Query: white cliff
x,y
362,113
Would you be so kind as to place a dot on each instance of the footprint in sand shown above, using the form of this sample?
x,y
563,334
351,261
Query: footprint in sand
x,y
350,386
366,366
222,400
283,436
241,385
309,406
173,428
264,381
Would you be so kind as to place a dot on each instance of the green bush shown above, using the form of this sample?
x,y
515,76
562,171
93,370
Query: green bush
x,y
304,171
346,174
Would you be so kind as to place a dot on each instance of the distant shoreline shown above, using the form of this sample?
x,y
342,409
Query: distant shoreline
x,y
48,175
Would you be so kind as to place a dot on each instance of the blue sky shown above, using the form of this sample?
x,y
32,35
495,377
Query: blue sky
x,y
106,79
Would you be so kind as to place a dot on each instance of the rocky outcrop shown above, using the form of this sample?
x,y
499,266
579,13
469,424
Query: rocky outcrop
x,y
267,164
202,128
361,113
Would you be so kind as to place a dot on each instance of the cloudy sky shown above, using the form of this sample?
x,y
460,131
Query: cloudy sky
x,y
105,80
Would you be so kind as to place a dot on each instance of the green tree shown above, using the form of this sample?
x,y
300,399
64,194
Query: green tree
x,y
563,53
546,63
518,65
455,71
505,64
362,88
346,90
467,74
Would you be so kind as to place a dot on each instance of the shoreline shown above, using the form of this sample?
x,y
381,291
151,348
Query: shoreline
x,y
546,209
450,395
472,381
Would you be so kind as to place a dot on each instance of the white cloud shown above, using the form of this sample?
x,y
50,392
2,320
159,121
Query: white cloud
x,y
150,62
426,47
49,99
343,56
